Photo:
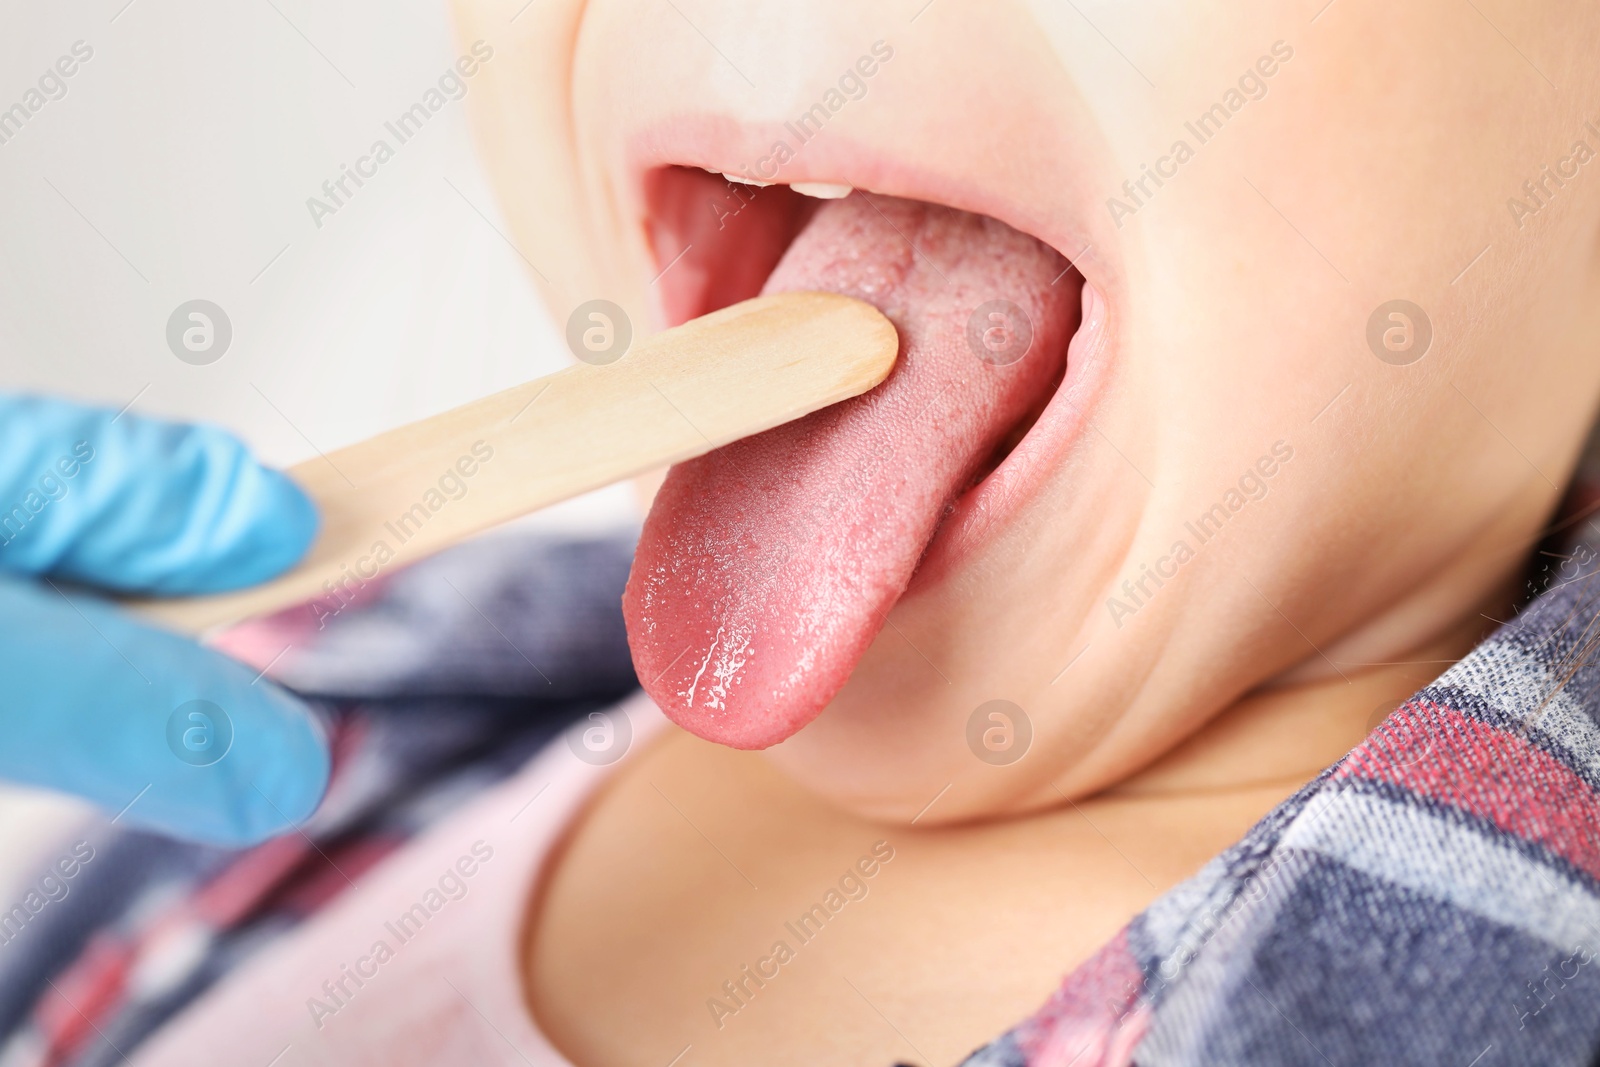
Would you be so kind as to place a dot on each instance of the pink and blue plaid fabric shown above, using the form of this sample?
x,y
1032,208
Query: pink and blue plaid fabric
x,y
1433,898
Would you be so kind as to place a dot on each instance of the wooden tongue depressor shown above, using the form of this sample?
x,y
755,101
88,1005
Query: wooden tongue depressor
x,y
402,495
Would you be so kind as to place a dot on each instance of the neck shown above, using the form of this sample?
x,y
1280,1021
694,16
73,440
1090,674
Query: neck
x,y
1285,734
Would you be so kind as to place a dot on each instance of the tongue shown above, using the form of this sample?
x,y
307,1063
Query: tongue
x,y
766,568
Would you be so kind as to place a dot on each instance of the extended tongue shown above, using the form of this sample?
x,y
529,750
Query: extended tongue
x,y
766,568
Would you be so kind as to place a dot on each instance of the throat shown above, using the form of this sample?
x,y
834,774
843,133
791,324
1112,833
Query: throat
x,y
1285,734
700,866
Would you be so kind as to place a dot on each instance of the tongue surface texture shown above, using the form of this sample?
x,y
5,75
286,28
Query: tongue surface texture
x,y
766,568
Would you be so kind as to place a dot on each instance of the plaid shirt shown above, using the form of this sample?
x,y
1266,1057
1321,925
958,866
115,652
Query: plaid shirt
x,y
1433,898
441,682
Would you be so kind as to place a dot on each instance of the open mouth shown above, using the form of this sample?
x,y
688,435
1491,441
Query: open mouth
x,y
766,568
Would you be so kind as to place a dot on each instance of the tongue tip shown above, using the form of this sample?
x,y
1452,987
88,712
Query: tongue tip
x,y
734,727
749,734
715,672
735,717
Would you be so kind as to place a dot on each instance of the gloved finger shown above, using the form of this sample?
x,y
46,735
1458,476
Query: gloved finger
x,y
135,718
139,504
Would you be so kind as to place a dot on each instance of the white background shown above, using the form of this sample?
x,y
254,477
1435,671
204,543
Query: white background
x,y
178,167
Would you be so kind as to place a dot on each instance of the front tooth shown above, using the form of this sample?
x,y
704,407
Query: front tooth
x,y
824,190
747,181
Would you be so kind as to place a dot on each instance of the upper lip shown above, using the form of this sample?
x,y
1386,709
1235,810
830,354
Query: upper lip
x,y
718,143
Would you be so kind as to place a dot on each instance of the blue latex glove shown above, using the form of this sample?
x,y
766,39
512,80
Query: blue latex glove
x,y
97,704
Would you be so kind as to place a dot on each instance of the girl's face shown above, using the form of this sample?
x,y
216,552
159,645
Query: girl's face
x,y
1336,360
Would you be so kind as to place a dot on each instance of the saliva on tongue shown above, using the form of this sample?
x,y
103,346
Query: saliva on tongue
x,y
767,567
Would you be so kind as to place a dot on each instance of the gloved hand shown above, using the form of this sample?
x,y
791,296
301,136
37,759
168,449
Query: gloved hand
x,y
95,703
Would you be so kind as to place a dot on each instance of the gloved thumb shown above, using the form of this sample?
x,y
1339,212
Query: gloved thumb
x,y
148,725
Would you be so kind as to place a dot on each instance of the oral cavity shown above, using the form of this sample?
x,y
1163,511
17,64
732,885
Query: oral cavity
x,y
766,568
